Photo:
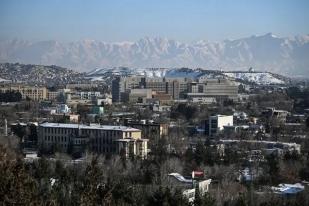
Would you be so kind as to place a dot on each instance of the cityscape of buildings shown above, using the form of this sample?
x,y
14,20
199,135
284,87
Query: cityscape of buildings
x,y
131,115
154,103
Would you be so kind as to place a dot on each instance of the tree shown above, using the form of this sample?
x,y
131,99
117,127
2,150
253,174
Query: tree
x,y
90,184
273,167
164,196
10,96
17,187
158,198
19,130
203,199
199,154
186,110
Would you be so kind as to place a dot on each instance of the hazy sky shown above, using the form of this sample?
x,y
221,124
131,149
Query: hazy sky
x,y
119,20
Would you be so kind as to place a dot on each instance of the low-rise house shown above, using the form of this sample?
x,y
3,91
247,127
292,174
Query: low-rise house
x,y
188,186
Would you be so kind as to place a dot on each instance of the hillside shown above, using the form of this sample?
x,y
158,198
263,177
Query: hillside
x,y
259,78
38,74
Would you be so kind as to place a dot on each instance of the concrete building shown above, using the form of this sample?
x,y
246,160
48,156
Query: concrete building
x,y
122,85
216,123
272,113
139,95
156,84
63,109
88,95
81,86
201,98
162,98
52,95
176,87
98,110
268,147
150,129
106,100
72,118
32,92
218,88
95,137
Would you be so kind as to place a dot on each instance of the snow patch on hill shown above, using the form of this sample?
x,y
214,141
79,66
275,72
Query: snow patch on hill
x,y
261,78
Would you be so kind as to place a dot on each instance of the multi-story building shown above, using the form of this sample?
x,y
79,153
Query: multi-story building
x,y
63,109
95,137
218,88
150,129
163,98
88,94
156,84
68,118
52,95
216,123
32,92
139,95
176,87
81,86
121,86
274,114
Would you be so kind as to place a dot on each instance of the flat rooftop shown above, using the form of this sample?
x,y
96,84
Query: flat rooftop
x,y
91,126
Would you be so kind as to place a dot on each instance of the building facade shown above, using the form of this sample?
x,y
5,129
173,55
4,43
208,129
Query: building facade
x,y
122,85
218,88
96,138
150,130
32,92
216,123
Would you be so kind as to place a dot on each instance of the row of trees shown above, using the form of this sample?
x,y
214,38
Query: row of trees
x,y
10,96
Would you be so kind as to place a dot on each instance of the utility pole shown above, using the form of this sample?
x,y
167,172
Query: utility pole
x,y
5,127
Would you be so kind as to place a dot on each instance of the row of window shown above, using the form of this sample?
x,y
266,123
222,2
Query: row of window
x,y
95,132
108,140
56,139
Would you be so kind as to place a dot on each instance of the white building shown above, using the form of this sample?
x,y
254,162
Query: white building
x,y
88,94
216,123
63,109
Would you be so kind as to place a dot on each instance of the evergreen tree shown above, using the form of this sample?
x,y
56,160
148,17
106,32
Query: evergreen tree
x,y
17,187
200,153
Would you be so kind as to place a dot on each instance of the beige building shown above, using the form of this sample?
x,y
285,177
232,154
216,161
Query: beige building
x,y
176,87
52,95
121,86
94,137
150,129
32,92
218,88
139,95
72,118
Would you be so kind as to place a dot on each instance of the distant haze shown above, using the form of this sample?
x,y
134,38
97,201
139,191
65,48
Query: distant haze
x,y
283,55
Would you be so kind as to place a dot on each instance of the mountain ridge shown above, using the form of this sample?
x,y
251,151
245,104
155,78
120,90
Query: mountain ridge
x,y
284,55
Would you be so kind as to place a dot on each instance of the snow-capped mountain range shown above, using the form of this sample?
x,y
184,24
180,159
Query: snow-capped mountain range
x,y
284,55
